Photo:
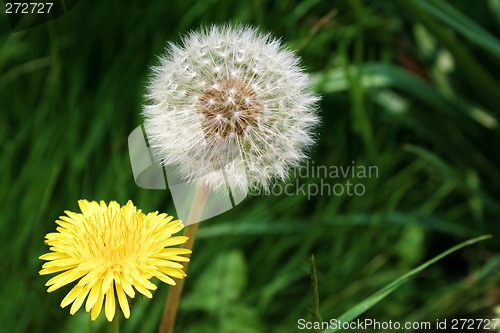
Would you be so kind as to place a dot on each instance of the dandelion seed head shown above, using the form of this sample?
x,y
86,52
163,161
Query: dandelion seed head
x,y
248,103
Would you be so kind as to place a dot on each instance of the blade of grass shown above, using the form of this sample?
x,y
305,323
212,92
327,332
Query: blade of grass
x,y
383,75
360,308
440,165
461,23
360,118
482,82
315,313
495,9
252,227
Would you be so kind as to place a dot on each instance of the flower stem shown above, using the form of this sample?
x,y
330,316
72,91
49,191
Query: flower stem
x,y
114,326
175,292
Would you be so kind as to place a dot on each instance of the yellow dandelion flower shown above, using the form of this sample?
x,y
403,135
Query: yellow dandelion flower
x,y
112,250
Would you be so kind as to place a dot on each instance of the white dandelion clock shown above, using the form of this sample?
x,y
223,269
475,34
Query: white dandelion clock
x,y
230,105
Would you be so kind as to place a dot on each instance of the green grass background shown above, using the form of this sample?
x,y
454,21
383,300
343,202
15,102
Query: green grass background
x,y
409,86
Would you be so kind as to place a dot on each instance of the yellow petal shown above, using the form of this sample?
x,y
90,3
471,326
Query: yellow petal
x,y
88,208
53,256
63,279
64,224
92,276
176,273
127,287
71,296
122,299
62,262
93,296
79,300
172,252
49,270
166,279
175,241
110,305
168,264
76,218
102,205
148,284
96,309
140,288
108,281
171,227
177,258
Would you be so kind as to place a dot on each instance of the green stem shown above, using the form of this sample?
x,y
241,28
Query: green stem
x,y
315,313
114,326
175,292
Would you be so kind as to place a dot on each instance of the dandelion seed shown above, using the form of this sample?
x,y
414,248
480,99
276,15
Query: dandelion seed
x,y
258,110
111,251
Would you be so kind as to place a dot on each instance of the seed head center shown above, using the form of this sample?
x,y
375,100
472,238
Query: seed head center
x,y
228,107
